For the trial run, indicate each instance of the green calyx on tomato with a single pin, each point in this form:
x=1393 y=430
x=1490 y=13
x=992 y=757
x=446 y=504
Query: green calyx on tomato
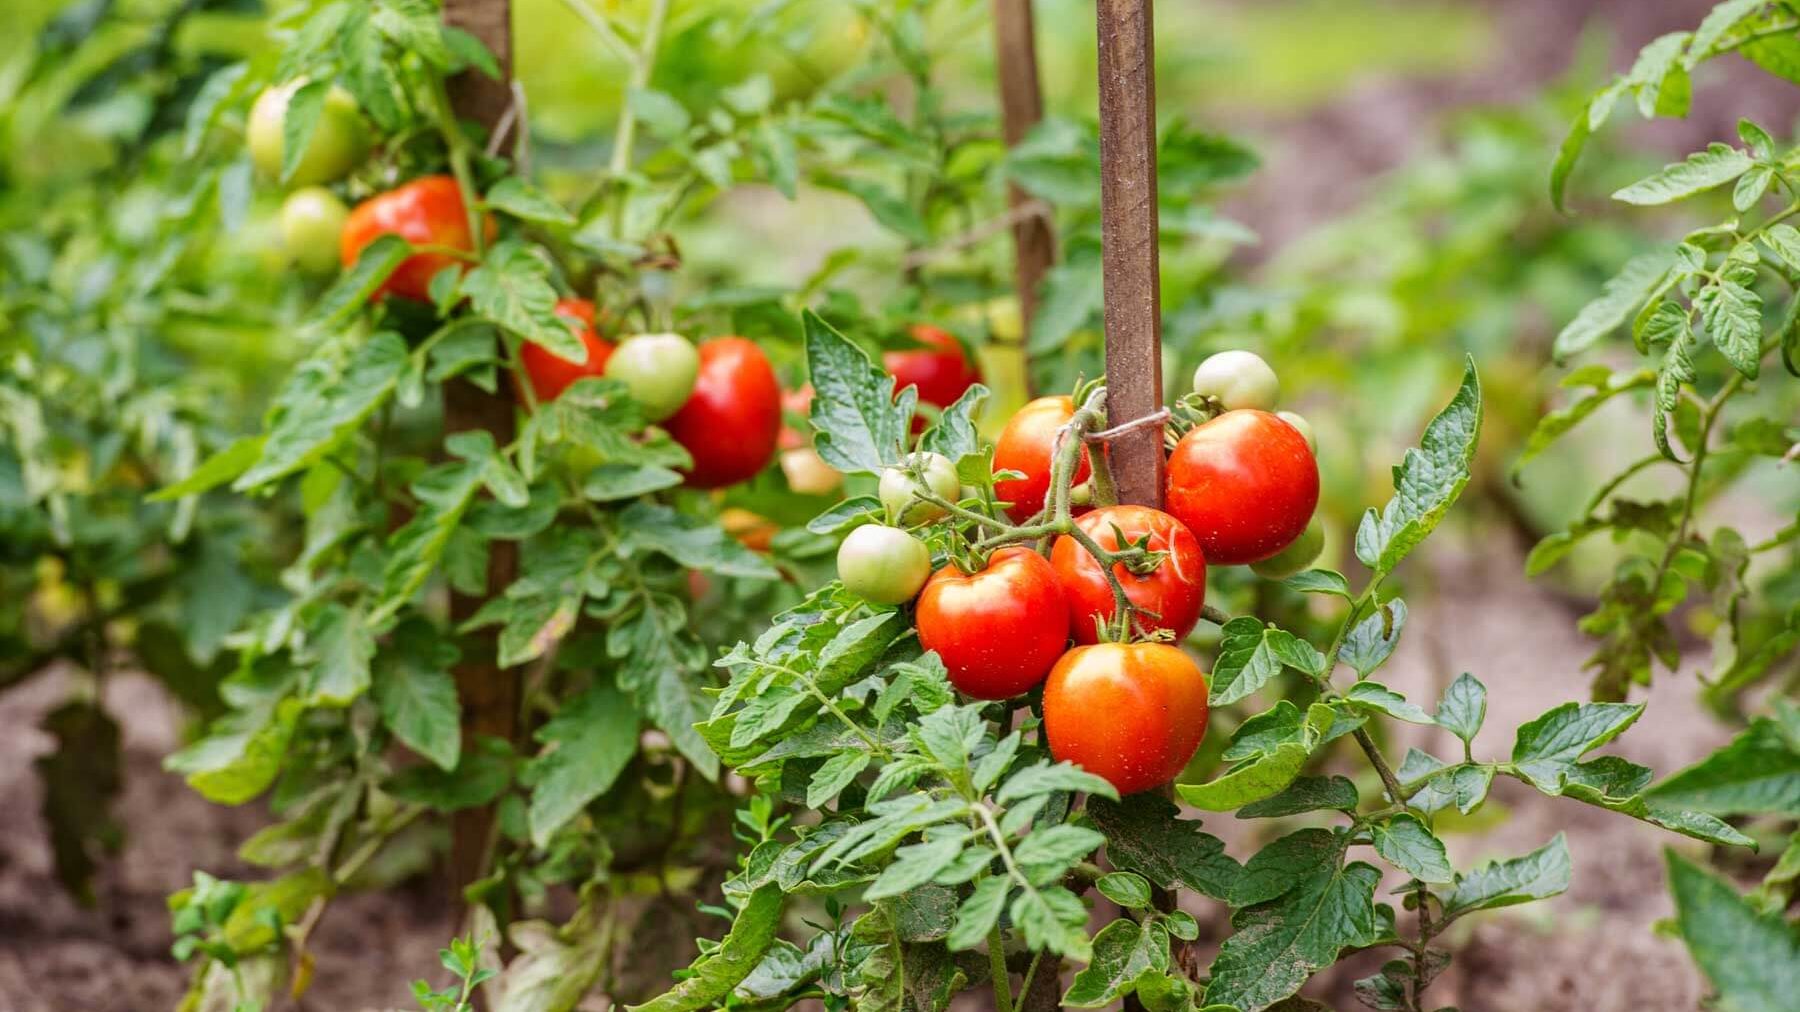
x=1237 y=379
x=312 y=219
x=658 y=369
x=1133 y=713
x=900 y=487
x=1296 y=557
x=337 y=144
x=997 y=630
x=883 y=565
x=1167 y=596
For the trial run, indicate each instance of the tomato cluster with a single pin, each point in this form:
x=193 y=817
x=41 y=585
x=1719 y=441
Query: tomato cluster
x=1123 y=701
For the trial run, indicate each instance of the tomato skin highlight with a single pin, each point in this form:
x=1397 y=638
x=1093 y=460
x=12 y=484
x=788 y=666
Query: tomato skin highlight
x=549 y=372
x=427 y=211
x=998 y=631
x=941 y=371
x=1245 y=483
x=732 y=420
x=1175 y=591
x=1026 y=445
x=1132 y=713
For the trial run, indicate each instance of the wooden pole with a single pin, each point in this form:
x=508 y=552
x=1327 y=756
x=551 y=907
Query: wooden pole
x=489 y=695
x=1128 y=233
x=1021 y=107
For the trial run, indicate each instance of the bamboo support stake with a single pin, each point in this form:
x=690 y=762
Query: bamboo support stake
x=489 y=695
x=1021 y=107
x=1129 y=244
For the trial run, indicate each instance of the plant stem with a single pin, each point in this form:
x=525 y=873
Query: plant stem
x=625 y=136
x=1396 y=793
x=1003 y=999
x=458 y=146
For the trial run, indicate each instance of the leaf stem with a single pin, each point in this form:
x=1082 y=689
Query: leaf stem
x=1003 y=999
x=625 y=137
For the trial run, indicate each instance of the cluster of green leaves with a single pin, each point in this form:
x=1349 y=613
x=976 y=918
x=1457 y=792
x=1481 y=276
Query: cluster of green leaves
x=125 y=322
x=1731 y=286
x=943 y=825
x=345 y=705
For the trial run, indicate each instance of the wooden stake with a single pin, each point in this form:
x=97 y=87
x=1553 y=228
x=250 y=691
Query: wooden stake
x=489 y=695
x=1128 y=232
x=1021 y=107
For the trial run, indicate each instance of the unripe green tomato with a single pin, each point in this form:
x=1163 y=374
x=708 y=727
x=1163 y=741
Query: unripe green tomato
x=882 y=564
x=658 y=369
x=1305 y=427
x=338 y=142
x=312 y=219
x=1296 y=557
x=902 y=502
x=1238 y=379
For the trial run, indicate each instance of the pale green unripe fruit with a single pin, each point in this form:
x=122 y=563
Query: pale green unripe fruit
x=1305 y=427
x=898 y=488
x=1296 y=557
x=312 y=219
x=337 y=144
x=658 y=369
x=883 y=565
x=1238 y=379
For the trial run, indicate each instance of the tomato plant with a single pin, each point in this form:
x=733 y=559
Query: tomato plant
x=550 y=374
x=429 y=212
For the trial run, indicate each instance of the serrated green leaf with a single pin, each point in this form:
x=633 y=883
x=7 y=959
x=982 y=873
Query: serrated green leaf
x=586 y=747
x=1618 y=299
x=716 y=973
x=1751 y=957
x=1701 y=171
x=692 y=542
x=1251 y=653
x=417 y=695
x=837 y=773
x=1405 y=843
x=304 y=107
x=1250 y=781
x=1372 y=640
x=215 y=470
x=511 y=289
x=1555 y=424
x=1463 y=707
x=1123 y=951
x=858 y=426
x=1545 y=746
x=1278 y=944
x=954 y=434
x=339 y=648
x=1758 y=773
x=1732 y=316
x=1305 y=794
x=322 y=403
x=1543 y=873
x=1144 y=834
x=520 y=199
x=1320 y=581
x=1380 y=698
x=978 y=914
x=914 y=866
x=1127 y=889
x=1427 y=481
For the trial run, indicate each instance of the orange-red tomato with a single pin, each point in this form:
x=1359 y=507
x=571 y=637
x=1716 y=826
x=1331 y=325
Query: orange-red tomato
x=428 y=211
x=1133 y=713
x=998 y=630
x=941 y=371
x=731 y=421
x=795 y=402
x=550 y=373
x=1174 y=592
x=1027 y=445
x=1245 y=483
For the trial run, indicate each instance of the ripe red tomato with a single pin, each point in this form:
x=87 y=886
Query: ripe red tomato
x=941 y=371
x=1245 y=483
x=550 y=373
x=428 y=211
x=1026 y=445
x=1133 y=713
x=730 y=422
x=998 y=630
x=795 y=402
x=1175 y=591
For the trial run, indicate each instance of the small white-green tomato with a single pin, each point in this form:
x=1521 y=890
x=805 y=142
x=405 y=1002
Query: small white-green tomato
x=1238 y=379
x=882 y=564
x=899 y=488
x=658 y=369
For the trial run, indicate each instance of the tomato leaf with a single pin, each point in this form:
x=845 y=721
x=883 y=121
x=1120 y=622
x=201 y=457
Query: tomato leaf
x=1427 y=482
x=586 y=746
x=858 y=425
x=1541 y=874
x=1751 y=956
x=416 y=694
